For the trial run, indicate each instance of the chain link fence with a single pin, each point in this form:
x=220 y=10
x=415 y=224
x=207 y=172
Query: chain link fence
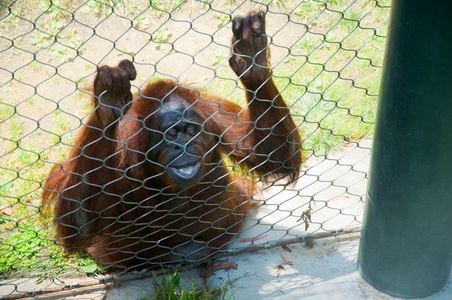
x=326 y=59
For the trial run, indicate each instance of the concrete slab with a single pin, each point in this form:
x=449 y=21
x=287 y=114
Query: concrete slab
x=327 y=271
x=333 y=187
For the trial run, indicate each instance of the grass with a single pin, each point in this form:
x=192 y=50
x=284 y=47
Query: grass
x=170 y=287
x=330 y=77
x=31 y=250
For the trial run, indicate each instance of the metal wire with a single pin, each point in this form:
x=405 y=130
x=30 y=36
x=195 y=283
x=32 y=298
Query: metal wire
x=326 y=61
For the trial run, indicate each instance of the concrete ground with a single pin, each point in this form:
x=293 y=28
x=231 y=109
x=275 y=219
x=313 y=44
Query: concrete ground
x=332 y=187
x=327 y=271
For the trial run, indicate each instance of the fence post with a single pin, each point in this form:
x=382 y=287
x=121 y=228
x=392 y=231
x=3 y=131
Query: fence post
x=406 y=241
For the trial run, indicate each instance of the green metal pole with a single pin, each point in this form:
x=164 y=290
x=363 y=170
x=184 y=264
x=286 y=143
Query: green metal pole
x=406 y=240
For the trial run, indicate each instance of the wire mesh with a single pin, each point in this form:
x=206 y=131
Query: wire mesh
x=326 y=62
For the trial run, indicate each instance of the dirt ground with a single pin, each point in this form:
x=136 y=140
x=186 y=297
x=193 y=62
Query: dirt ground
x=192 y=50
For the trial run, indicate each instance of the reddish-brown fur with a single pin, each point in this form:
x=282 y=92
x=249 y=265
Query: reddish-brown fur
x=125 y=211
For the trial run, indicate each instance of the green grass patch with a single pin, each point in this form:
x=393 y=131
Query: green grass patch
x=30 y=249
x=170 y=288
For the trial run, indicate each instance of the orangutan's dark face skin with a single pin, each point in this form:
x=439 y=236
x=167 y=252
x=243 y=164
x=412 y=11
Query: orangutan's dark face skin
x=182 y=143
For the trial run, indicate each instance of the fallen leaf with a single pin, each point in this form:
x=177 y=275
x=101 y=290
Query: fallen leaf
x=279 y=269
x=6 y=210
x=198 y=80
x=251 y=239
x=225 y=265
x=286 y=261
